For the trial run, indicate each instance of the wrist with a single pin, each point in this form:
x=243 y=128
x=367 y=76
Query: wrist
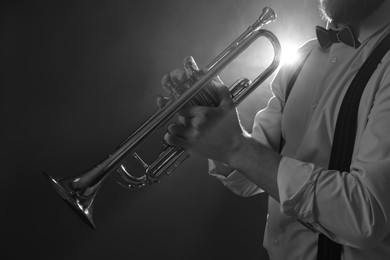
x=248 y=152
x=242 y=146
x=258 y=163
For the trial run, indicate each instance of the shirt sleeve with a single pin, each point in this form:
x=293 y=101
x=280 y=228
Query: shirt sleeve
x=352 y=208
x=235 y=181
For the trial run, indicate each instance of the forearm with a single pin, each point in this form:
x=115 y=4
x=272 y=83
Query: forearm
x=258 y=163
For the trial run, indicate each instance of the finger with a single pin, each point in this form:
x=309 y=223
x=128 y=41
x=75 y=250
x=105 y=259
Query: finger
x=189 y=111
x=177 y=135
x=196 y=118
x=190 y=66
x=224 y=96
x=179 y=130
x=183 y=120
x=178 y=76
x=175 y=140
x=161 y=101
x=166 y=83
x=172 y=82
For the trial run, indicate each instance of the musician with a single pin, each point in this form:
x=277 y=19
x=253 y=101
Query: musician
x=350 y=208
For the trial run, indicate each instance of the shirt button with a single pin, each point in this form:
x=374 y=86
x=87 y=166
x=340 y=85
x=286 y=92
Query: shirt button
x=314 y=105
x=334 y=60
x=275 y=242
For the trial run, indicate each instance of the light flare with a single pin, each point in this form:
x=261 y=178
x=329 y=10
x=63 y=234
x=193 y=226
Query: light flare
x=289 y=53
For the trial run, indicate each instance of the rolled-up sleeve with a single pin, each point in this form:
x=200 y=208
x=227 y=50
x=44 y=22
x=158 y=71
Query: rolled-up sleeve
x=235 y=181
x=352 y=208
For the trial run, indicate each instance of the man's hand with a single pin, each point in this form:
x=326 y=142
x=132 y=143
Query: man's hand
x=216 y=133
x=211 y=132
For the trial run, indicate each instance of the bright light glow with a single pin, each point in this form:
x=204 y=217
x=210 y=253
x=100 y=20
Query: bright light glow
x=289 y=53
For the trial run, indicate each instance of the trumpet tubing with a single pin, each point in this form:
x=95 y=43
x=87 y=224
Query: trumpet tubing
x=79 y=191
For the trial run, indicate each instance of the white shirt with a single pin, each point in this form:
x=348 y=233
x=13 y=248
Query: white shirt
x=352 y=208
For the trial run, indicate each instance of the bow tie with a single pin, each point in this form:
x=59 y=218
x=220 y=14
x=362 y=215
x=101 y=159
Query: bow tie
x=326 y=37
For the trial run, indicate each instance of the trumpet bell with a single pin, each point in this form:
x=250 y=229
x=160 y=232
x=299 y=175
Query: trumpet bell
x=83 y=207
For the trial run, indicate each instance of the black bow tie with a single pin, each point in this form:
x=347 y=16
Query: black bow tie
x=326 y=37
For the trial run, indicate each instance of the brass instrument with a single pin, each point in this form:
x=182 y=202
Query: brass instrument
x=79 y=191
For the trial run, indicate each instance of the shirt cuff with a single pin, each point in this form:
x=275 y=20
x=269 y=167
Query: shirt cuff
x=297 y=183
x=235 y=181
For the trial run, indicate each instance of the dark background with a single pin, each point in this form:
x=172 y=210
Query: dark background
x=76 y=78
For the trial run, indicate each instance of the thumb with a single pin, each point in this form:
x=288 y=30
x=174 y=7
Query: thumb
x=224 y=96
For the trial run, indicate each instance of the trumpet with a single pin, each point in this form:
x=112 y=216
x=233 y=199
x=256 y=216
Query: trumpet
x=79 y=191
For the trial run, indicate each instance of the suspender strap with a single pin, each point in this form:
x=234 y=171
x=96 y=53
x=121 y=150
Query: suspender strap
x=345 y=133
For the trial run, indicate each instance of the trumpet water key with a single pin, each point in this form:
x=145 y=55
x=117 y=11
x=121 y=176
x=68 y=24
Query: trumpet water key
x=79 y=191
